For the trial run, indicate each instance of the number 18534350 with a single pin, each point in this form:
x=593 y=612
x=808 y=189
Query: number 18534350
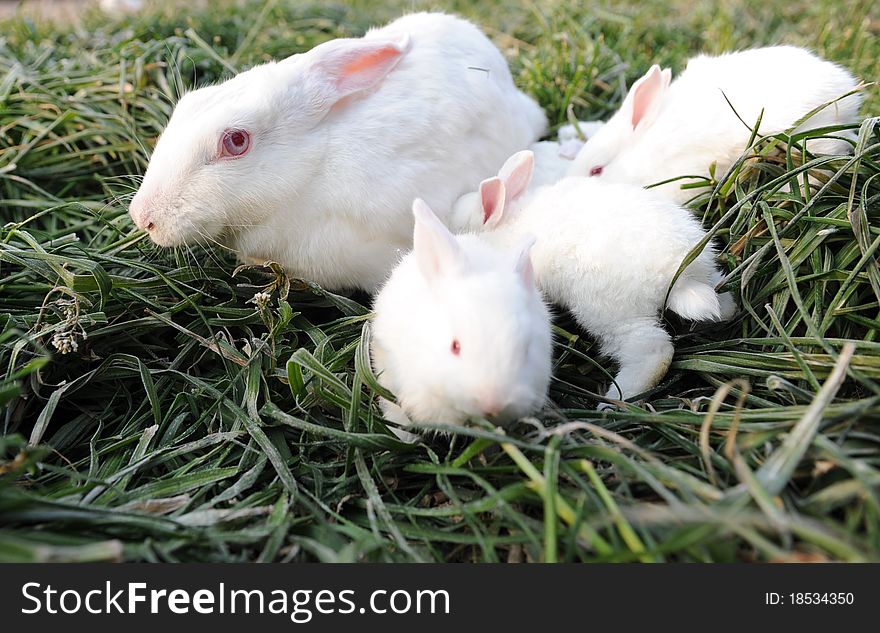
x=809 y=598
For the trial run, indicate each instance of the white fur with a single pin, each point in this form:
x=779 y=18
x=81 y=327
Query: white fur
x=685 y=126
x=551 y=163
x=460 y=288
x=553 y=159
x=608 y=252
x=326 y=186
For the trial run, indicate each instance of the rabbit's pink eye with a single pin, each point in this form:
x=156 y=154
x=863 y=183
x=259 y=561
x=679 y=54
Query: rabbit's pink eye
x=235 y=143
x=455 y=348
x=596 y=171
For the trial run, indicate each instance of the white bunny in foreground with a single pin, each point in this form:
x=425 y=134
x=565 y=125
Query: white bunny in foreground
x=667 y=130
x=314 y=161
x=607 y=252
x=460 y=330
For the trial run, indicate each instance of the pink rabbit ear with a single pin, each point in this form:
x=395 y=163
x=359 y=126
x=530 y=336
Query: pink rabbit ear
x=645 y=94
x=516 y=173
x=667 y=77
x=492 y=196
x=436 y=249
x=342 y=67
x=523 y=261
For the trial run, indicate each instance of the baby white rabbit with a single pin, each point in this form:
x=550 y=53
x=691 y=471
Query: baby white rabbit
x=460 y=330
x=313 y=161
x=608 y=253
x=667 y=130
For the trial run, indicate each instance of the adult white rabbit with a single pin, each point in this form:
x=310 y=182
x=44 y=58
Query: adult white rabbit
x=460 y=331
x=667 y=129
x=314 y=161
x=608 y=253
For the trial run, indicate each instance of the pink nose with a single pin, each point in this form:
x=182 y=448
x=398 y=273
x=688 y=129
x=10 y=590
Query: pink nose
x=490 y=411
x=491 y=405
x=140 y=214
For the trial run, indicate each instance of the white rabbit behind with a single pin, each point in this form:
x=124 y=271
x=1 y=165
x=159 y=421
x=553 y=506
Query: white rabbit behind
x=313 y=161
x=667 y=129
x=608 y=253
x=460 y=331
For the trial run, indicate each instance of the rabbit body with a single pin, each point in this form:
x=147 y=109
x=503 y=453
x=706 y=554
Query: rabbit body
x=668 y=129
x=339 y=140
x=460 y=331
x=607 y=252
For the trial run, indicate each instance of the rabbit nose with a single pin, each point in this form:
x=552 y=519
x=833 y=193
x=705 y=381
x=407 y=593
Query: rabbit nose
x=491 y=410
x=491 y=405
x=141 y=214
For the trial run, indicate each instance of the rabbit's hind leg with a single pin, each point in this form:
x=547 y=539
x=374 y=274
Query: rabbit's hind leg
x=643 y=350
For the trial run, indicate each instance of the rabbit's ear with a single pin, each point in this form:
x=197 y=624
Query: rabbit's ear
x=516 y=173
x=436 y=249
x=523 y=261
x=492 y=196
x=645 y=95
x=341 y=67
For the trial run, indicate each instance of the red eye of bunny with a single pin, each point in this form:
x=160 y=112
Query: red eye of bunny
x=455 y=348
x=235 y=143
x=596 y=171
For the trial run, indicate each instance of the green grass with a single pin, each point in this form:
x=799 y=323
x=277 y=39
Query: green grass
x=184 y=423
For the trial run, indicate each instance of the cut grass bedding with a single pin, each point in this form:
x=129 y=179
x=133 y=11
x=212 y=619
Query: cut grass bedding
x=166 y=406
